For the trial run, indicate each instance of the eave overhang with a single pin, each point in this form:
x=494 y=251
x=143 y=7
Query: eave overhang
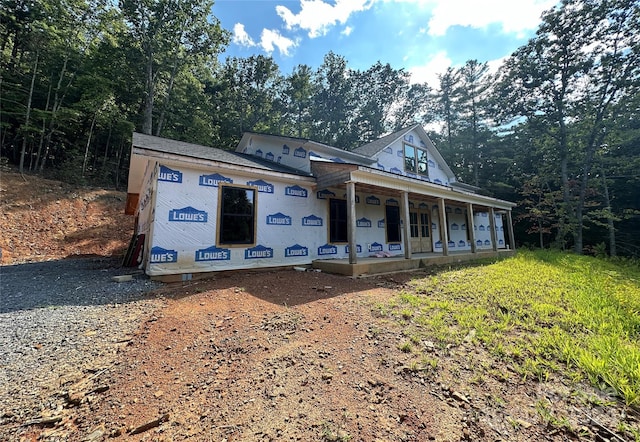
x=335 y=175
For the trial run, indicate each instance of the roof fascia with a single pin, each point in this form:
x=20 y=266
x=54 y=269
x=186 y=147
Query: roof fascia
x=199 y=163
x=400 y=136
x=375 y=177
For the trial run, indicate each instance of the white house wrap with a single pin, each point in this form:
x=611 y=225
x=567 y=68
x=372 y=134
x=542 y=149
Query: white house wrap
x=281 y=201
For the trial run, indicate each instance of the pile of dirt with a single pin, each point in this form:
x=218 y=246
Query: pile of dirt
x=44 y=220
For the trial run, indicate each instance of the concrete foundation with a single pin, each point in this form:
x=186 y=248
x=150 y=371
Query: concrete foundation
x=373 y=266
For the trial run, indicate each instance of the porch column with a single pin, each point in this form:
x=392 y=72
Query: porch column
x=351 y=222
x=492 y=226
x=472 y=230
x=512 y=239
x=406 y=232
x=444 y=237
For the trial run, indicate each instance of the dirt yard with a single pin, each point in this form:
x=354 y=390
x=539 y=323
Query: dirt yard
x=275 y=355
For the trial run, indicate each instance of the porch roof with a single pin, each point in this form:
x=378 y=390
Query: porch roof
x=377 y=181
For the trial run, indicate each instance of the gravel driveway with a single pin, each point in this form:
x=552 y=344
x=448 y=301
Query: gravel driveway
x=60 y=321
x=68 y=282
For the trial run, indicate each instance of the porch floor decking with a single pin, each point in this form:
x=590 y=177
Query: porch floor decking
x=373 y=266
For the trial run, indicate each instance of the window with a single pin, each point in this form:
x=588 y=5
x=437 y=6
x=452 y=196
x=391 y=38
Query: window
x=409 y=158
x=337 y=221
x=425 y=225
x=237 y=220
x=392 y=221
x=413 y=223
x=415 y=160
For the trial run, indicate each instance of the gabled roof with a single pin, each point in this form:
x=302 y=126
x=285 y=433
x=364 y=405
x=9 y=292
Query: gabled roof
x=144 y=148
x=373 y=148
x=181 y=148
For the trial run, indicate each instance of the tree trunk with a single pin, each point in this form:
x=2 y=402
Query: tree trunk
x=44 y=128
x=565 y=218
x=28 y=115
x=541 y=234
x=106 y=148
x=86 y=150
x=167 y=100
x=610 y=226
x=118 y=162
x=147 y=124
x=57 y=103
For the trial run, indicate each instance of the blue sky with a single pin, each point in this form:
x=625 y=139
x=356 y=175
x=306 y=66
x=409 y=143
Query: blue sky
x=422 y=36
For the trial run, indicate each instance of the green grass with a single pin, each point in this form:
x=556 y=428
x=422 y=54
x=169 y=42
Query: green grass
x=543 y=312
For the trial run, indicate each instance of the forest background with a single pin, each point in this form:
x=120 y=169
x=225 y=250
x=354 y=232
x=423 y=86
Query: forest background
x=556 y=128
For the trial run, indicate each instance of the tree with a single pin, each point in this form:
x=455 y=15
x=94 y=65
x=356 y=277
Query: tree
x=472 y=93
x=244 y=93
x=333 y=110
x=447 y=96
x=377 y=93
x=583 y=59
x=297 y=100
x=413 y=105
x=170 y=34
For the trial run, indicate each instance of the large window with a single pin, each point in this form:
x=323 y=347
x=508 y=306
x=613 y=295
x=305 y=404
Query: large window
x=337 y=221
x=237 y=216
x=415 y=160
x=392 y=221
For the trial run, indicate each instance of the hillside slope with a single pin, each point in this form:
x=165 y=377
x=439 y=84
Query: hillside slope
x=43 y=219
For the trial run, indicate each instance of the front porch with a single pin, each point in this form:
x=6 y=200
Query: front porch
x=373 y=266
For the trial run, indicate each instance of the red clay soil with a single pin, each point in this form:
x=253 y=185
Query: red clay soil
x=279 y=355
x=43 y=219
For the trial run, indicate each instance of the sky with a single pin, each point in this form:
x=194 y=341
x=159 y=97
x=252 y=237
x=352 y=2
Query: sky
x=423 y=37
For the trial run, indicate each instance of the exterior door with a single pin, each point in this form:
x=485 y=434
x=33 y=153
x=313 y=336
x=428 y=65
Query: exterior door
x=420 y=225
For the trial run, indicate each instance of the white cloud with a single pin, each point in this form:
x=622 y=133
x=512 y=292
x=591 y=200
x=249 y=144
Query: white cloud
x=271 y=39
x=317 y=17
x=428 y=73
x=240 y=36
x=514 y=16
x=347 y=31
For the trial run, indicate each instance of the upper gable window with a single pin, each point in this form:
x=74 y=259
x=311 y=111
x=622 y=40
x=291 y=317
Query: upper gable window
x=415 y=160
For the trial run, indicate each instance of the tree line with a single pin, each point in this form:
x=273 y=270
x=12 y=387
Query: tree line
x=556 y=128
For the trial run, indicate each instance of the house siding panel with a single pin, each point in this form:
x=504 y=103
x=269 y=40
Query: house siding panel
x=185 y=225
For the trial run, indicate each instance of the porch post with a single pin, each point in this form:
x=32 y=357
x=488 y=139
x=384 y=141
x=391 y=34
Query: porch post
x=406 y=233
x=444 y=237
x=472 y=230
x=351 y=222
x=512 y=239
x=492 y=226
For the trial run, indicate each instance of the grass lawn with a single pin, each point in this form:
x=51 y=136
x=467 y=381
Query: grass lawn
x=544 y=312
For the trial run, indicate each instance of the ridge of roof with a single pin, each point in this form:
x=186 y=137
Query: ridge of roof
x=198 y=151
x=303 y=141
x=372 y=148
